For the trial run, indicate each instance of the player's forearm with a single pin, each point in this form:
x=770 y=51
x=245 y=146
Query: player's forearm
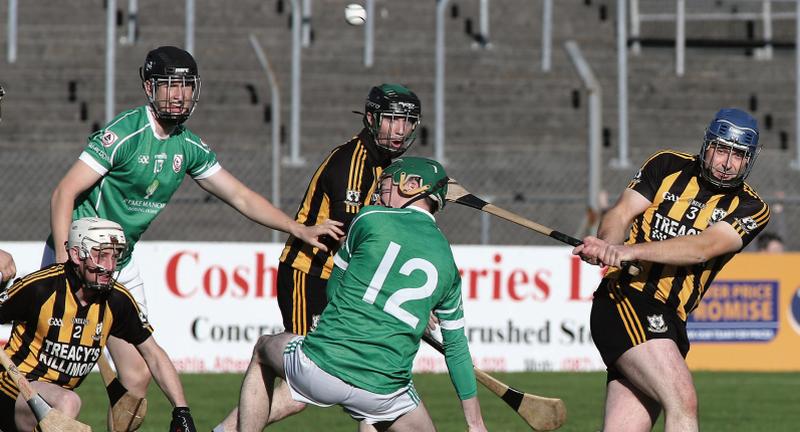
x=164 y=373
x=613 y=227
x=166 y=377
x=61 y=207
x=472 y=414
x=258 y=209
x=682 y=251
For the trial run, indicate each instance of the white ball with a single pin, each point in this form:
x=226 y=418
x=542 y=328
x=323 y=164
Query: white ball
x=355 y=14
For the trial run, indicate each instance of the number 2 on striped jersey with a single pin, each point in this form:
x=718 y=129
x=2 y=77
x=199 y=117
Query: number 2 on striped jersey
x=395 y=301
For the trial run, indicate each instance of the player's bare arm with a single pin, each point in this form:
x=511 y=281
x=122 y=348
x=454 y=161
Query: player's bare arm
x=7 y=266
x=255 y=207
x=79 y=178
x=472 y=413
x=614 y=226
x=719 y=239
x=163 y=371
x=617 y=221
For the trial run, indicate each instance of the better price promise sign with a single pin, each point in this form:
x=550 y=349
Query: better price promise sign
x=527 y=308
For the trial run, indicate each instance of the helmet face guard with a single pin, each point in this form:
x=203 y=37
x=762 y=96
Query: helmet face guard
x=733 y=135
x=93 y=267
x=174 y=84
x=395 y=114
x=97 y=241
x=429 y=174
x=173 y=107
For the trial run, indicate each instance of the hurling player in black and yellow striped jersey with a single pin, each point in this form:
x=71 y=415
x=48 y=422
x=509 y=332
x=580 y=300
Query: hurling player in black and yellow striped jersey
x=344 y=182
x=682 y=218
x=62 y=316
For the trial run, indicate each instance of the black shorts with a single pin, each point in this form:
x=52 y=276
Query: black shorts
x=302 y=299
x=7 y=413
x=627 y=318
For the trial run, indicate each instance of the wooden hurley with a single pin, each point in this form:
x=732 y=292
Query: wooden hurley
x=127 y=410
x=50 y=419
x=541 y=413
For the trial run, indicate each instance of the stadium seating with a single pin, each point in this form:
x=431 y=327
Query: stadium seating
x=514 y=134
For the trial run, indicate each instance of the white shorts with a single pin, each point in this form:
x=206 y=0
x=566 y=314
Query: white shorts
x=128 y=276
x=310 y=384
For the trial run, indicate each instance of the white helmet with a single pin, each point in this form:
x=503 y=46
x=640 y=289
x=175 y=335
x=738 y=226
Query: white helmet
x=88 y=233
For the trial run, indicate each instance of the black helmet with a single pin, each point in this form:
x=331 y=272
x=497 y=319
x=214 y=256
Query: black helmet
x=392 y=102
x=171 y=66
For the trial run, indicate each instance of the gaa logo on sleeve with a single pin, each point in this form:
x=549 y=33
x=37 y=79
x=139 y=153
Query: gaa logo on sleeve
x=637 y=178
x=108 y=139
x=353 y=197
x=143 y=319
x=748 y=224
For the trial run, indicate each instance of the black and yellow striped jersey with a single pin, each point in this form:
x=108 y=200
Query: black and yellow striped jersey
x=343 y=183
x=685 y=204
x=56 y=339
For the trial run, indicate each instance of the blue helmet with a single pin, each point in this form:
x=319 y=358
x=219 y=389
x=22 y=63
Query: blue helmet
x=737 y=131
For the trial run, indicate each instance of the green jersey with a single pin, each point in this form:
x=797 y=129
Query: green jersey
x=140 y=170
x=393 y=270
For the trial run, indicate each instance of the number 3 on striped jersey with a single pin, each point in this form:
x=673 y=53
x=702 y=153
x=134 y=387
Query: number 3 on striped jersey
x=395 y=301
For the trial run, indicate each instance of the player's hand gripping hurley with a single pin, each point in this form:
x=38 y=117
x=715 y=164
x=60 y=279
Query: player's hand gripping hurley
x=50 y=419
x=541 y=413
x=457 y=194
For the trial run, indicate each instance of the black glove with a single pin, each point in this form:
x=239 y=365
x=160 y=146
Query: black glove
x=182 y=420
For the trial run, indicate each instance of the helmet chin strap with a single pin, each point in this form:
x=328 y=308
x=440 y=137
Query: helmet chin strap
x=98 y=270
x=430 y=190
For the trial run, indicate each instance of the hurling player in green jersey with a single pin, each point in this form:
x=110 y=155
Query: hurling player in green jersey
x=130 y=169
x=393 y=270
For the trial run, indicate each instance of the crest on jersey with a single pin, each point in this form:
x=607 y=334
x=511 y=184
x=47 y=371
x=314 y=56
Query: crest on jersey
x=177 y=163
x=353 y=197
x=108 y=139
x=717 y=215
x=98 y=332
x=656 y=323
x=748 y=224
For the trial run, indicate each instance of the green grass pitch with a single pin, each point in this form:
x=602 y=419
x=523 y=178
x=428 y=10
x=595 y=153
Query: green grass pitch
x=728 y=401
